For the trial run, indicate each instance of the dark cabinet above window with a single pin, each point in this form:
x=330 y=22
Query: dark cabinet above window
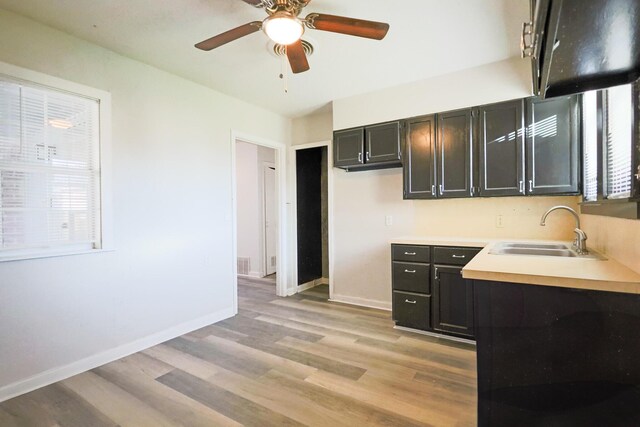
x=582 y=45
x=369 y=147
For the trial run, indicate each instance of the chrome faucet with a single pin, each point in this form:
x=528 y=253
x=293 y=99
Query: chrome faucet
x=580 y=242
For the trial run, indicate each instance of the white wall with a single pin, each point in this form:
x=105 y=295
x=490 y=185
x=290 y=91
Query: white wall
x=361 y=271
x=171 y=270
x=250 y=160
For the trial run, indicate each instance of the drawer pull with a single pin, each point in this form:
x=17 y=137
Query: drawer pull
x=410 y=302
x=410 y=271
x=458 y=256
x=410 y=253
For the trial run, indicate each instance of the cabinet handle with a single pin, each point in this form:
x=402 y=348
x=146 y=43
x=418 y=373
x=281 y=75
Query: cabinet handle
x=530 y=186
x=359 y=157
x=441 y=189
x=367 y=156
x=410 y=302
x=433 y=190
x=436 y=273
x=458 y=256
x=410 y=271
x=522 y=187
x=410 y=253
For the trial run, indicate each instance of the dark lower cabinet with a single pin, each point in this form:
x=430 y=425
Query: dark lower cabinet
x=501 y=149
x=453 y=154
x=452 y=301
x=430 y=296
x=553 y=136
x=551 y=356
x=412 y=310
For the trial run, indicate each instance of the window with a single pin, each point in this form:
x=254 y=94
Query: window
x=50 y=177
x=609 y=140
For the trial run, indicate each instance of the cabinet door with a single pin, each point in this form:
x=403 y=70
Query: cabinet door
x=347 y=147
x=419 y=158
x=552 y=145
x=383 y=143
x=452 y=301
x=501 y=141
x=453 y=154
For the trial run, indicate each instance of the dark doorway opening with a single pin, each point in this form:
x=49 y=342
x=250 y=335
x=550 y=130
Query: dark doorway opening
x=312 y=215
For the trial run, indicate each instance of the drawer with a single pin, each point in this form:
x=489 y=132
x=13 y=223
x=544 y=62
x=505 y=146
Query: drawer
x=411 y=253
x=412 y=310
x=411 y=277
x=453 y=256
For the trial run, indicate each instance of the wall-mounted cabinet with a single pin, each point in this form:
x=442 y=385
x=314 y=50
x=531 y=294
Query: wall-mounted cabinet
x=419 y=158
x=369 y=147
x=553 y=139
x=501 y=149
x=454 y=154
x=514 y=148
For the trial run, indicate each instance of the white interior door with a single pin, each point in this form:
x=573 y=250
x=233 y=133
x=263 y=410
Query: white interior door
x=270 y=219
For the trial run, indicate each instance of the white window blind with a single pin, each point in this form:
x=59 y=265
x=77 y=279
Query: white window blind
x=49 y=168
x=590 y=148
x=618 y=113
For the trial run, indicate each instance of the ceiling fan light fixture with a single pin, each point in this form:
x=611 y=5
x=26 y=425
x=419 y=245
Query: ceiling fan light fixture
x=283 y=28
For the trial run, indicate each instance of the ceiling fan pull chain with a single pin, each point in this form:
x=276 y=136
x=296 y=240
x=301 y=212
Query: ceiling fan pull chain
x=283 y=74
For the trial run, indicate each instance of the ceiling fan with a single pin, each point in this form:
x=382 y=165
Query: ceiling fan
x=284 y=27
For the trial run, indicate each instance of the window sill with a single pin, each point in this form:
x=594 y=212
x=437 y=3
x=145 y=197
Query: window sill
x=617 y=208
x=23 y=256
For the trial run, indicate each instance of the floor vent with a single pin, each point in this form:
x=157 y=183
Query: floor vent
x=244 y=266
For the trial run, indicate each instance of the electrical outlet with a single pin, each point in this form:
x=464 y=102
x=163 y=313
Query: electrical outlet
x=499 y=221
x=388 y=220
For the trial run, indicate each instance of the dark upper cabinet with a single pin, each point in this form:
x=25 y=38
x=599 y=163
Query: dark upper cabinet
x=419 y=158
x=452 y=301
x=370 y=147
x=581 y=45
x=501 y=149
x=453 y=154
x=348 y=147
x=552 y=145
x=382 y=143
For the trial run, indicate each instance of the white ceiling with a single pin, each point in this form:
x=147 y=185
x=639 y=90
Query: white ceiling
x=427 y=38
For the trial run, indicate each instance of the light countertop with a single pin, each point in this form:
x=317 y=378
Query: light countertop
x=577 y=273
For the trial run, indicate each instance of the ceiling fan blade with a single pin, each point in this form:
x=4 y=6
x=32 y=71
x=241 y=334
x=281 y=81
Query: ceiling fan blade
x=297 y=57
x=349 y=26
x=230 y=36
x=256 y=3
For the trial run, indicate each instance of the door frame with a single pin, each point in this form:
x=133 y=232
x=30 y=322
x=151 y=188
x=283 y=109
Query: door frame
x=293 y=255
x=265 y=167
x=281 y=192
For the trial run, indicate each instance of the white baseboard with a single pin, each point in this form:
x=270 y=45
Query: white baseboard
x=63 y=372
x=313 y=284
x=363 y=302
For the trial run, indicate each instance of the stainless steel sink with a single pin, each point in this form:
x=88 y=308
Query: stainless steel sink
x=540 y=249
x=533 y=251
x=534 y=245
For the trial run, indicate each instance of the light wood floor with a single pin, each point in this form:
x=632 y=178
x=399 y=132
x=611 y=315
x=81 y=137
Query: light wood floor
x=281 y=361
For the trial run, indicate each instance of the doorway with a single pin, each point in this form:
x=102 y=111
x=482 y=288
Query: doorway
x=311 y=214
x=270 y=223
x=258 y=209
